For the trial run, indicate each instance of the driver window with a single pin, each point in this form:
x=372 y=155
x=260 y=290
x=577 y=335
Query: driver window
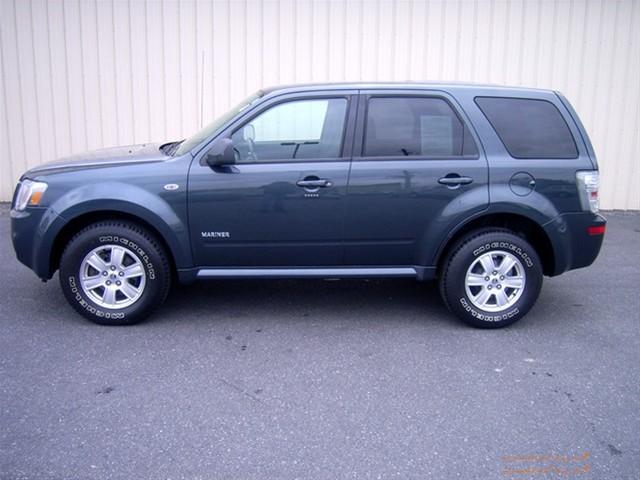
x=291 y=131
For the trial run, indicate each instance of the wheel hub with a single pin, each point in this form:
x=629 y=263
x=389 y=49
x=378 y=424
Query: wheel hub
x=112 y=276
x=495 y=281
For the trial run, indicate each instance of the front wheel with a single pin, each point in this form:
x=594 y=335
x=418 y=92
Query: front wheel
x=114 y=273
x=491 y=279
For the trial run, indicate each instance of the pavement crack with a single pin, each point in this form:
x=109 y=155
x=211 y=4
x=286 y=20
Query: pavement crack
x=105 y=391
x=242 y=391
x=613 y=450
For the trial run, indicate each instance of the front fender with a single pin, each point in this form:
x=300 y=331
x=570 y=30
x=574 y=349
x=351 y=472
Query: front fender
x=126 y=199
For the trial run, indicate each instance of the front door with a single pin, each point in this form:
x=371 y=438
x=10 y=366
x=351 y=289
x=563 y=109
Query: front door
x=282 y=203
x=416 y=167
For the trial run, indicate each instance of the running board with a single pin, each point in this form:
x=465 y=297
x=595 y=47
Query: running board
x=365 y=272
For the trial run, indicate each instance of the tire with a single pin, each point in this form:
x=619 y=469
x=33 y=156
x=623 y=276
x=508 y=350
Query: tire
x=496 y=298
x=129 y=255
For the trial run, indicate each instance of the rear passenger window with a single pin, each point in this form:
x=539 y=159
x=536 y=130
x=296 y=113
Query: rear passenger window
x=415 y=126
x=529 y=128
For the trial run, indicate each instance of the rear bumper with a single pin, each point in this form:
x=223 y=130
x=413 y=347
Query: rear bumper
x=576 y=239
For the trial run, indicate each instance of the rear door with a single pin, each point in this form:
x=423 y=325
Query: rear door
x=417 y=167
x=282 y=202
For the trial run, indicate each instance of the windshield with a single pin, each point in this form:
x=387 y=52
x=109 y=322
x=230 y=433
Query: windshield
x=207 y=131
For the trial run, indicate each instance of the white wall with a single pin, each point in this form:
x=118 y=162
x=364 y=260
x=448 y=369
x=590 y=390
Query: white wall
x=78 y=75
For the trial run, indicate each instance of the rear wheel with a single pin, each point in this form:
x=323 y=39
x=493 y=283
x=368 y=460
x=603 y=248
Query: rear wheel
x=491 y=279
x=114 y=273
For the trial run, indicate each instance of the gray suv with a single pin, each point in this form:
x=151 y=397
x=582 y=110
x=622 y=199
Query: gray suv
x=484 y=188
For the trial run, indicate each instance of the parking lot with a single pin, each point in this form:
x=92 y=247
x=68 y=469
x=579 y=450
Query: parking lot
x=325 y=380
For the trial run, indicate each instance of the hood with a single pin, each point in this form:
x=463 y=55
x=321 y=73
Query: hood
x=145 y=152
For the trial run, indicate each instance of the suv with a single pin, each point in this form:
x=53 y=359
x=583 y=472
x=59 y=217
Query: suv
x=484 y=188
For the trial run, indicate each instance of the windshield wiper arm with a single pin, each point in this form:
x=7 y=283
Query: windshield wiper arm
x=175 y=146
x=170 y=147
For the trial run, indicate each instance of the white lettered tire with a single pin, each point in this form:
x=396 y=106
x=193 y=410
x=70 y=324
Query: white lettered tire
x=491 y=279
x=114 y=273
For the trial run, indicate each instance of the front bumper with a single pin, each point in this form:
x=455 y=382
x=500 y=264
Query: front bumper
x=574 y=242
x=32 y=234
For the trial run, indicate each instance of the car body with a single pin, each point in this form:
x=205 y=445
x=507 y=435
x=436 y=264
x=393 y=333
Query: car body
x=252 y=196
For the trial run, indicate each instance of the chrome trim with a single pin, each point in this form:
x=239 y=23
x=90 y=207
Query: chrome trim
x=307 y=272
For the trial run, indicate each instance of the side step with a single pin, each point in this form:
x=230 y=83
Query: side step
x=355 y=272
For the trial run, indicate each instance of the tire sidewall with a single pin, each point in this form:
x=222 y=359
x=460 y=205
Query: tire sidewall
x=99 y=236
x=457 y=297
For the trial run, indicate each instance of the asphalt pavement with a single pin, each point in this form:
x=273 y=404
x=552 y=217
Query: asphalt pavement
x=323 y=379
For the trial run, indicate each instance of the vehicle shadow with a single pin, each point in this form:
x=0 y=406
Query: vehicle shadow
x=357 y=300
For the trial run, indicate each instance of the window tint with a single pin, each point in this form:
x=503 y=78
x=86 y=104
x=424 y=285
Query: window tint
x=529 y=128
x=415 y=126
x=301 y=129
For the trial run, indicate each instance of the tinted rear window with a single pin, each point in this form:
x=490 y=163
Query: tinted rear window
x=529 y=128
x=416 y=126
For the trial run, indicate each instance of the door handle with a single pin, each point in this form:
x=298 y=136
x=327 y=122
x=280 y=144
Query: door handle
x=453 y=180
x=317 y=183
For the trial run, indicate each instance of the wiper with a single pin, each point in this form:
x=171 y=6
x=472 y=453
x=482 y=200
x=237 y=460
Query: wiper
x=165 y=147
x=177 y=144
x=171 y=147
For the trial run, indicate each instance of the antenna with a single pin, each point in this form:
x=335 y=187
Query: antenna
x=202 y=89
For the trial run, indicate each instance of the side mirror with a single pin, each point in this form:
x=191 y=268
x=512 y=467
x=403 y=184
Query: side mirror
x=221 y=153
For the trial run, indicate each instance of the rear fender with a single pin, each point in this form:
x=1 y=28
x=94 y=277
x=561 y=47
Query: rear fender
x=469 y=204
x=534 y=207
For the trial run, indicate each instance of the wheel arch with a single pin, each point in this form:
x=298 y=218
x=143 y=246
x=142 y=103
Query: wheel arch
x=85 y=219
x=519 y=224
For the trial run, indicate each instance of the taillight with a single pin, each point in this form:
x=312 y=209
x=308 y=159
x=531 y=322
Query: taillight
x=588 y=184
x=596 y=230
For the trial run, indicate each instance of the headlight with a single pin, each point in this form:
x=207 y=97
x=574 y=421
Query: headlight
x=29 y=193
x=588 y=184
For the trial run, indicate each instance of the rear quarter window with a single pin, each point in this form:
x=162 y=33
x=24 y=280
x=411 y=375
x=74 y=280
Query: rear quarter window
x=529 y=128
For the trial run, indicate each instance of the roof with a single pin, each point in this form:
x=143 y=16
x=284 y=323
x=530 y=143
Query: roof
x=405 y=84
